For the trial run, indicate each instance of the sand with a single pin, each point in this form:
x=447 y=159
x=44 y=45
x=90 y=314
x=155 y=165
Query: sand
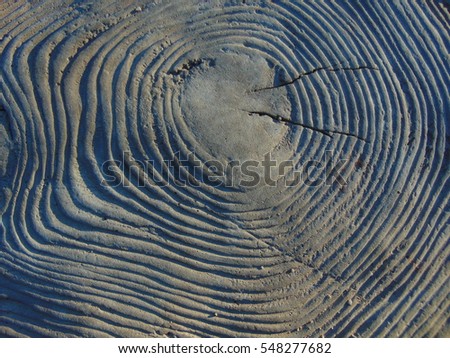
x=94 y=96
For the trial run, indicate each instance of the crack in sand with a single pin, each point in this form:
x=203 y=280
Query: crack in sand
x=329 y=69
x=327 y=132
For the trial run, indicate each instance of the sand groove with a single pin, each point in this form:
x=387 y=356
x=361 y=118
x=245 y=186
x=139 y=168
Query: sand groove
x=95 y=250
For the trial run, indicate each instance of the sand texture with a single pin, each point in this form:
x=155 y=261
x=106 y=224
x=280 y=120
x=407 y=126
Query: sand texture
x=95 y=250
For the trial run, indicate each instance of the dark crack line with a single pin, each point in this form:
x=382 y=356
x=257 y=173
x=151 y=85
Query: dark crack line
x=327 y=132
x=330 y=69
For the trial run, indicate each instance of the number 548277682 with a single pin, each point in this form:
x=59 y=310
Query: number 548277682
x=295 y=348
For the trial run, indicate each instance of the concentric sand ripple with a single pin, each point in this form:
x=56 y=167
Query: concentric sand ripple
x=95 y=96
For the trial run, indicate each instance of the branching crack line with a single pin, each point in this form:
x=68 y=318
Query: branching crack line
x=327 y=132
x=329 y=69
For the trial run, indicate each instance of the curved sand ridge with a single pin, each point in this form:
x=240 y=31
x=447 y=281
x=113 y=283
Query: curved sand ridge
x=84 y=256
